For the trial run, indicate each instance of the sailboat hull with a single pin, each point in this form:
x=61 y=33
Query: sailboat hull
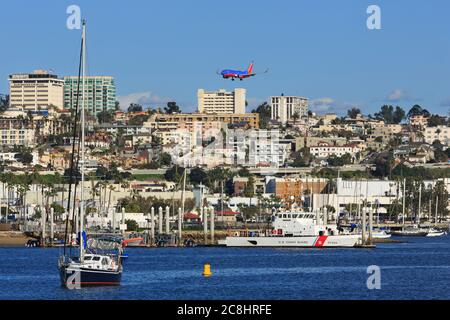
x=88 y=277
x=409 y=233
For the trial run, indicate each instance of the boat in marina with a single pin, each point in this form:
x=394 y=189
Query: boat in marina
x=98 y=261
x=432 y=232
x=134 y=241
x=295 y=229
x=411 y=231
x=380 y=234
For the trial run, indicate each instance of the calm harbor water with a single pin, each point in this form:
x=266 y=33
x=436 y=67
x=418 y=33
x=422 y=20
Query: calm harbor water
x=419 y=269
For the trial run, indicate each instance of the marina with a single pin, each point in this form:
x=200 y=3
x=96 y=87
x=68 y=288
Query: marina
x=416 y=269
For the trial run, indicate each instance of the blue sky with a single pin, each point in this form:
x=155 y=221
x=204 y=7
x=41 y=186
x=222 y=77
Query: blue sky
x=165 y=50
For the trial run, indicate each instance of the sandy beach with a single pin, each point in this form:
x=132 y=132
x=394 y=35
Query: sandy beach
x=12 y=239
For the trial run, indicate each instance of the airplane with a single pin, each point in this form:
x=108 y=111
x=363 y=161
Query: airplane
x=238 y=74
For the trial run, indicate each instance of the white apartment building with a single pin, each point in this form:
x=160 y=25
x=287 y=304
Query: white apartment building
x=251 y=148
x=17 y=136
x=283 y=107
x=257 y=148
x=324 y=150
x=221 y=101
x=39 y=89
x=441 y=133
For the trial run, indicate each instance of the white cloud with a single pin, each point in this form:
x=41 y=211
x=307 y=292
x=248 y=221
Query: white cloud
x=322 y=104
x=397 y=95
x=328 y=104
x=143 y=98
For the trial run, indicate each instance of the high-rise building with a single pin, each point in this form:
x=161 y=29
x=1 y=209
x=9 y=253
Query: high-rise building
x=39 y=89
x=287 y=108
x=100 y=93
x=221 y=101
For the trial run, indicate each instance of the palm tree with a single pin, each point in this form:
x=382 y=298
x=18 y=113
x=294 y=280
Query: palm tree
x=295 y=116
x=111 y=189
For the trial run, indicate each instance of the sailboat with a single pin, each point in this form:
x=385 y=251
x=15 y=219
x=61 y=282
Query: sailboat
x=91 y=266
x=413 y=230
x=432 y=232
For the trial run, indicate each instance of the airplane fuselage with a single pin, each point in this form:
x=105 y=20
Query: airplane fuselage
x=235 y=74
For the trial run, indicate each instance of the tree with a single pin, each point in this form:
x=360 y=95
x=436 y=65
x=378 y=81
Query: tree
x=4 y=102
x=135 y=107
x=172 y=107
x=249 y=190
x=132 y=225
x=385 y=114
x=243 y=172
x=440 y=156
x=390 y=115
x=335 y=161
x=216 y=176
x=441 y=192
x=383 y=165
x=138 y=120
x=436 y=120
x=265 y=114
x=174 y=174
x=399 y=115
x=302 y=158
x=105 y=116
x=165 y=159
x=57 y=209
x=24 y=156
x=417 y=110
x=197 y=176
x=353 y=113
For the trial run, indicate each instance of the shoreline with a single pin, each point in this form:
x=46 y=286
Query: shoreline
x=13 y=239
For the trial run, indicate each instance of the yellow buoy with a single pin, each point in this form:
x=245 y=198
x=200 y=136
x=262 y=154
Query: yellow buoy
x=207 y=270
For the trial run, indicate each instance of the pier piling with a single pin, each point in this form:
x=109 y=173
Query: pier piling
x=152 y=226
x=205 y=224
x=370 y=225
x=212 y=225
x=43 y=222
x=180 y=219
x=167 y=219
x=363 y=226
x=160 y=220
x=52 y=231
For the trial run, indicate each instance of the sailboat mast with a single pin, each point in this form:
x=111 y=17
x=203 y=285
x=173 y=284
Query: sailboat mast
x=404 y=199
x=83 y=101
x=420 y=203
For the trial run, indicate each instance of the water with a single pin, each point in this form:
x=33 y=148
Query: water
x=419 y=269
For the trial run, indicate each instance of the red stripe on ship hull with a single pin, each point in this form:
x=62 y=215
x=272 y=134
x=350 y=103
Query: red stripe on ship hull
x=320 y=241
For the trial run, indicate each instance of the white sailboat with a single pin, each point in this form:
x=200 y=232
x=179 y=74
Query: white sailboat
x=89 y=267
